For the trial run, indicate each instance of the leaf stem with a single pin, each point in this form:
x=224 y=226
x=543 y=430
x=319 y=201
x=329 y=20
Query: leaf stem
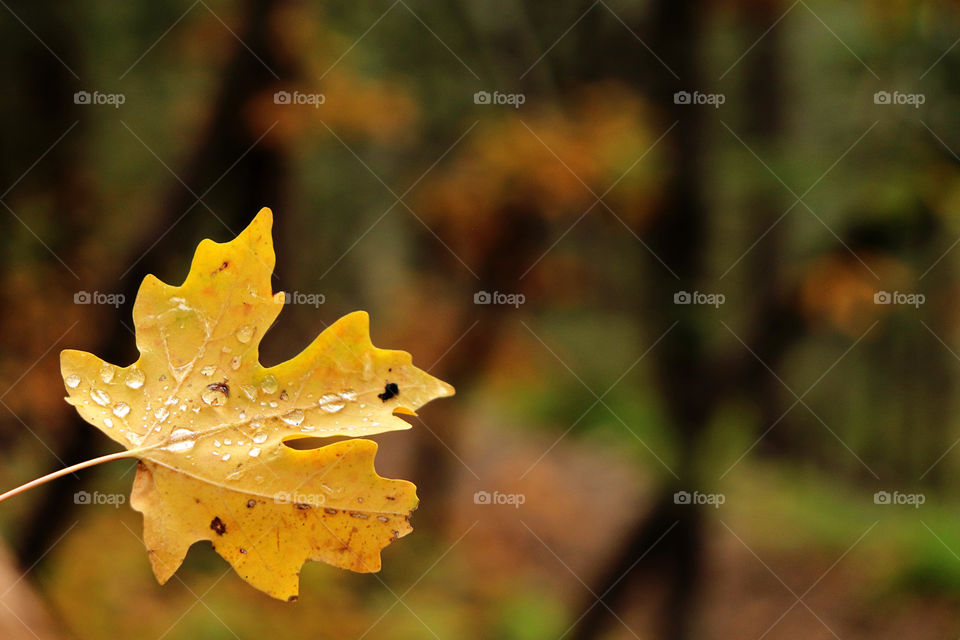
x=119 y=455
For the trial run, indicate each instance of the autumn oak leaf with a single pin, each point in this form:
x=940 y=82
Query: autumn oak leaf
x=209 y=424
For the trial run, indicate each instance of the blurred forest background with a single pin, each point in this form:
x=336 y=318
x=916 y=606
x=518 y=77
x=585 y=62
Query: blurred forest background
x=801 y=198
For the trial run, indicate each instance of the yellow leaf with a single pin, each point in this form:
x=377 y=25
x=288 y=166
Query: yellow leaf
x=209 y=423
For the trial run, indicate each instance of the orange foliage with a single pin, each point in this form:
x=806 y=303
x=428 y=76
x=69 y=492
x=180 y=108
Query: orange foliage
x=548 y=164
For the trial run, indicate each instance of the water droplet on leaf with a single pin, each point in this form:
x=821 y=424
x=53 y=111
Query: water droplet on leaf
x=269 y=385
x=244 y=333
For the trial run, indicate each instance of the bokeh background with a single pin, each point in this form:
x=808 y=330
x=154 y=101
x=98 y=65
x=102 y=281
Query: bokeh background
x=804 y=191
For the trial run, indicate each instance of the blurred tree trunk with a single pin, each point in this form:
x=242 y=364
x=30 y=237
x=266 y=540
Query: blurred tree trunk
x=691 y=380
x=433 y=465
x=256 y=180
x=677 y=235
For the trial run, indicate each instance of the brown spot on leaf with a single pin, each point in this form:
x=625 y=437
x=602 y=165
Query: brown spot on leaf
x=217 y=525
x=302 y=506
x=389 y=390
x=293 y=598
x=251 y=504
x=226 y=263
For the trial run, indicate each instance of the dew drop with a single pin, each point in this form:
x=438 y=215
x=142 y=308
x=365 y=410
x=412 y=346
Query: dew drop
x=249 y=391
x=121 y=409
x=134 y=438
x=253 y=453
x=106 y=373
x=225 y=457
x=244 y=333
x=213 y=397
x=181 y=440
x=307 y=428
x=108 y=423
x=209 y=370
x=294 y=418
x=100 y=396
x=330 y=402
x=227 y=441
x=235 y=363
x=72 y=380
x=348 y=395
x=135 y=377
x=161 y=414
x=216 y=443
x=259 y=437
x=269 y=385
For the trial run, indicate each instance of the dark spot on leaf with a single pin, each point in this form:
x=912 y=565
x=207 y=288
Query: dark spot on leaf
x=293 y=598
x=242 y=550
x=251 y=504
x=283 y=395
x=391 y=497
x=220 y=387
x=226 y=263
x=389 y=390
x=217 y=525
x=302 y=506
x=329 y=510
